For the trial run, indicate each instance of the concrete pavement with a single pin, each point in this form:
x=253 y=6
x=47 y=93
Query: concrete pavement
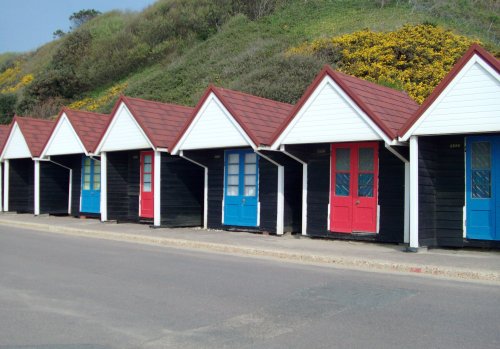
x=455 y=264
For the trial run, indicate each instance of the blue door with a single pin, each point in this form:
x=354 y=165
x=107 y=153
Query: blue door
x=241 y=188
x=483 y=187
x=91 y=186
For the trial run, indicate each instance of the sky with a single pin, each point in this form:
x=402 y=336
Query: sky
x=28 y=24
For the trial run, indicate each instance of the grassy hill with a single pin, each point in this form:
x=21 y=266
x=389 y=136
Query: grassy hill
x=172 y=50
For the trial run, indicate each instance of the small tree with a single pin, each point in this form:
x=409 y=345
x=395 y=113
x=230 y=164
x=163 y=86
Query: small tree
x=82 y=16
x=58 y=34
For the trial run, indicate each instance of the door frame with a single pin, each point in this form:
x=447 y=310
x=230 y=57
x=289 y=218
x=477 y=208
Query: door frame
x=241 y=174
x=92 y=174
x=143 y=153
x=376 y=170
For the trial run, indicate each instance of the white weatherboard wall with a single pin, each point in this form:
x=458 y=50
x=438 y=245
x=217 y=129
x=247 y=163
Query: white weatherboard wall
x=469 y=104
x=16 y=147
x=124 y=133
x=64 y=140
x=328 y=116
x=213 y=127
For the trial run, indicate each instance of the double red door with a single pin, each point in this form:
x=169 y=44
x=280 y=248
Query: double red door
x=146 y=204
x=354 y=187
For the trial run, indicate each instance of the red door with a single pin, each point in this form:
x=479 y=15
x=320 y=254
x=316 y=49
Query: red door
x=146 y=204
x=354 y=187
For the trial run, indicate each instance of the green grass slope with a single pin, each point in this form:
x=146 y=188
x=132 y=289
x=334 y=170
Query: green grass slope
x=171 y=51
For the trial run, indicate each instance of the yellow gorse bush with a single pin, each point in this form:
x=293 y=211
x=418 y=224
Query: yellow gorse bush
x=93 y=104
x=414 y=58
x=11 y=79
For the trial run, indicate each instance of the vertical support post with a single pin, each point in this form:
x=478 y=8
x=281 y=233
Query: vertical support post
x=37 y=188
x=407 y=204
x=281 y=200
x=157 y=189
x=104 y=187
x=413 y=194
x=6 y=166
x=70 y=194
x=304 y=199
x=1 y=187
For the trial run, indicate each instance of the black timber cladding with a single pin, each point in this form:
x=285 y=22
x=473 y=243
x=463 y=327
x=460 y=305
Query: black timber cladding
x=75 y=163
x=182 y=184
x=268 y=185
x=54 y=188
x=441 y=181
x=390 y=192
x=123 y=172
x=21 y=185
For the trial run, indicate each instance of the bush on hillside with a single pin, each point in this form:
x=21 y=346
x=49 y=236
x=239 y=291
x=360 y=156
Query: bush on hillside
x=7 y=107
x=415 y=58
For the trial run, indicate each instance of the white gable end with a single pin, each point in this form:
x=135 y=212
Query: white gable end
x=64 y=140
x=213 y=127
x=328 y=116
x=16 y=147
x=469 y=104
x=124 y=133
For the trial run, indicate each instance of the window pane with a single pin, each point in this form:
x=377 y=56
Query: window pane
x=148 y=159
x=342 y=181
x=366 y=159
x=233 y=169
x=147 y=178
x=481 y=184
x=250 y=190
x=233 y=158
x=481 y=155
x=147 y=168
x=86 y=182
x=250 y=180
x=97 y=185
x=250 y=158
x=146 y=187
x=250 y=169
x=232 y=180
x=365 y=185
x=232 y=190
x=97 y=167
x=342 y=159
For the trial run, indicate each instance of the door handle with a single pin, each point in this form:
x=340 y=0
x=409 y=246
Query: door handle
x=243 y=201
x=357 y=202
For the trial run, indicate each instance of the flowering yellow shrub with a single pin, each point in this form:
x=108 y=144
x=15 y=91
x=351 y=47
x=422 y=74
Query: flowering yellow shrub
x=92 y=104
x=25 y=80
x=414 y=58
x=11 y=81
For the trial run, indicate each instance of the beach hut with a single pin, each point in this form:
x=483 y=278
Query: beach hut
x=343 y=132
x=24 y=186
x=140 y=180
x=455 y=157
x=228 y=136
x=71 y=147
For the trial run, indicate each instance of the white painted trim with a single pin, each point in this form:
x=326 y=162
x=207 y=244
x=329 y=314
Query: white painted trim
x=327 y=80
x=211 y=97
x=157 y=189
x=104 y=187
x=280 y=209
x=304 y=188
x=1 y=188
x=64 y=117
x=377 y=229
x=330 y=188
x=414 y=243
x=205 y=188
x=6 y=166
x=112 y=124
x=464 y=213
x=9 y=141
x=474 y=59
x=37 y=188
x=406 y=227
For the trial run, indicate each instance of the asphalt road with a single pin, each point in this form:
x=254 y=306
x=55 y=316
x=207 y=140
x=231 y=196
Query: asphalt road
x=66 y=292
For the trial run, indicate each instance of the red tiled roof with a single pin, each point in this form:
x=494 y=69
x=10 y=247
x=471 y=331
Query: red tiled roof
x=88 y=126
x=258 y=117
x=474 y=49
x=4 y=134
x=36 y=132
x=160 y=121
x=388 y=108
